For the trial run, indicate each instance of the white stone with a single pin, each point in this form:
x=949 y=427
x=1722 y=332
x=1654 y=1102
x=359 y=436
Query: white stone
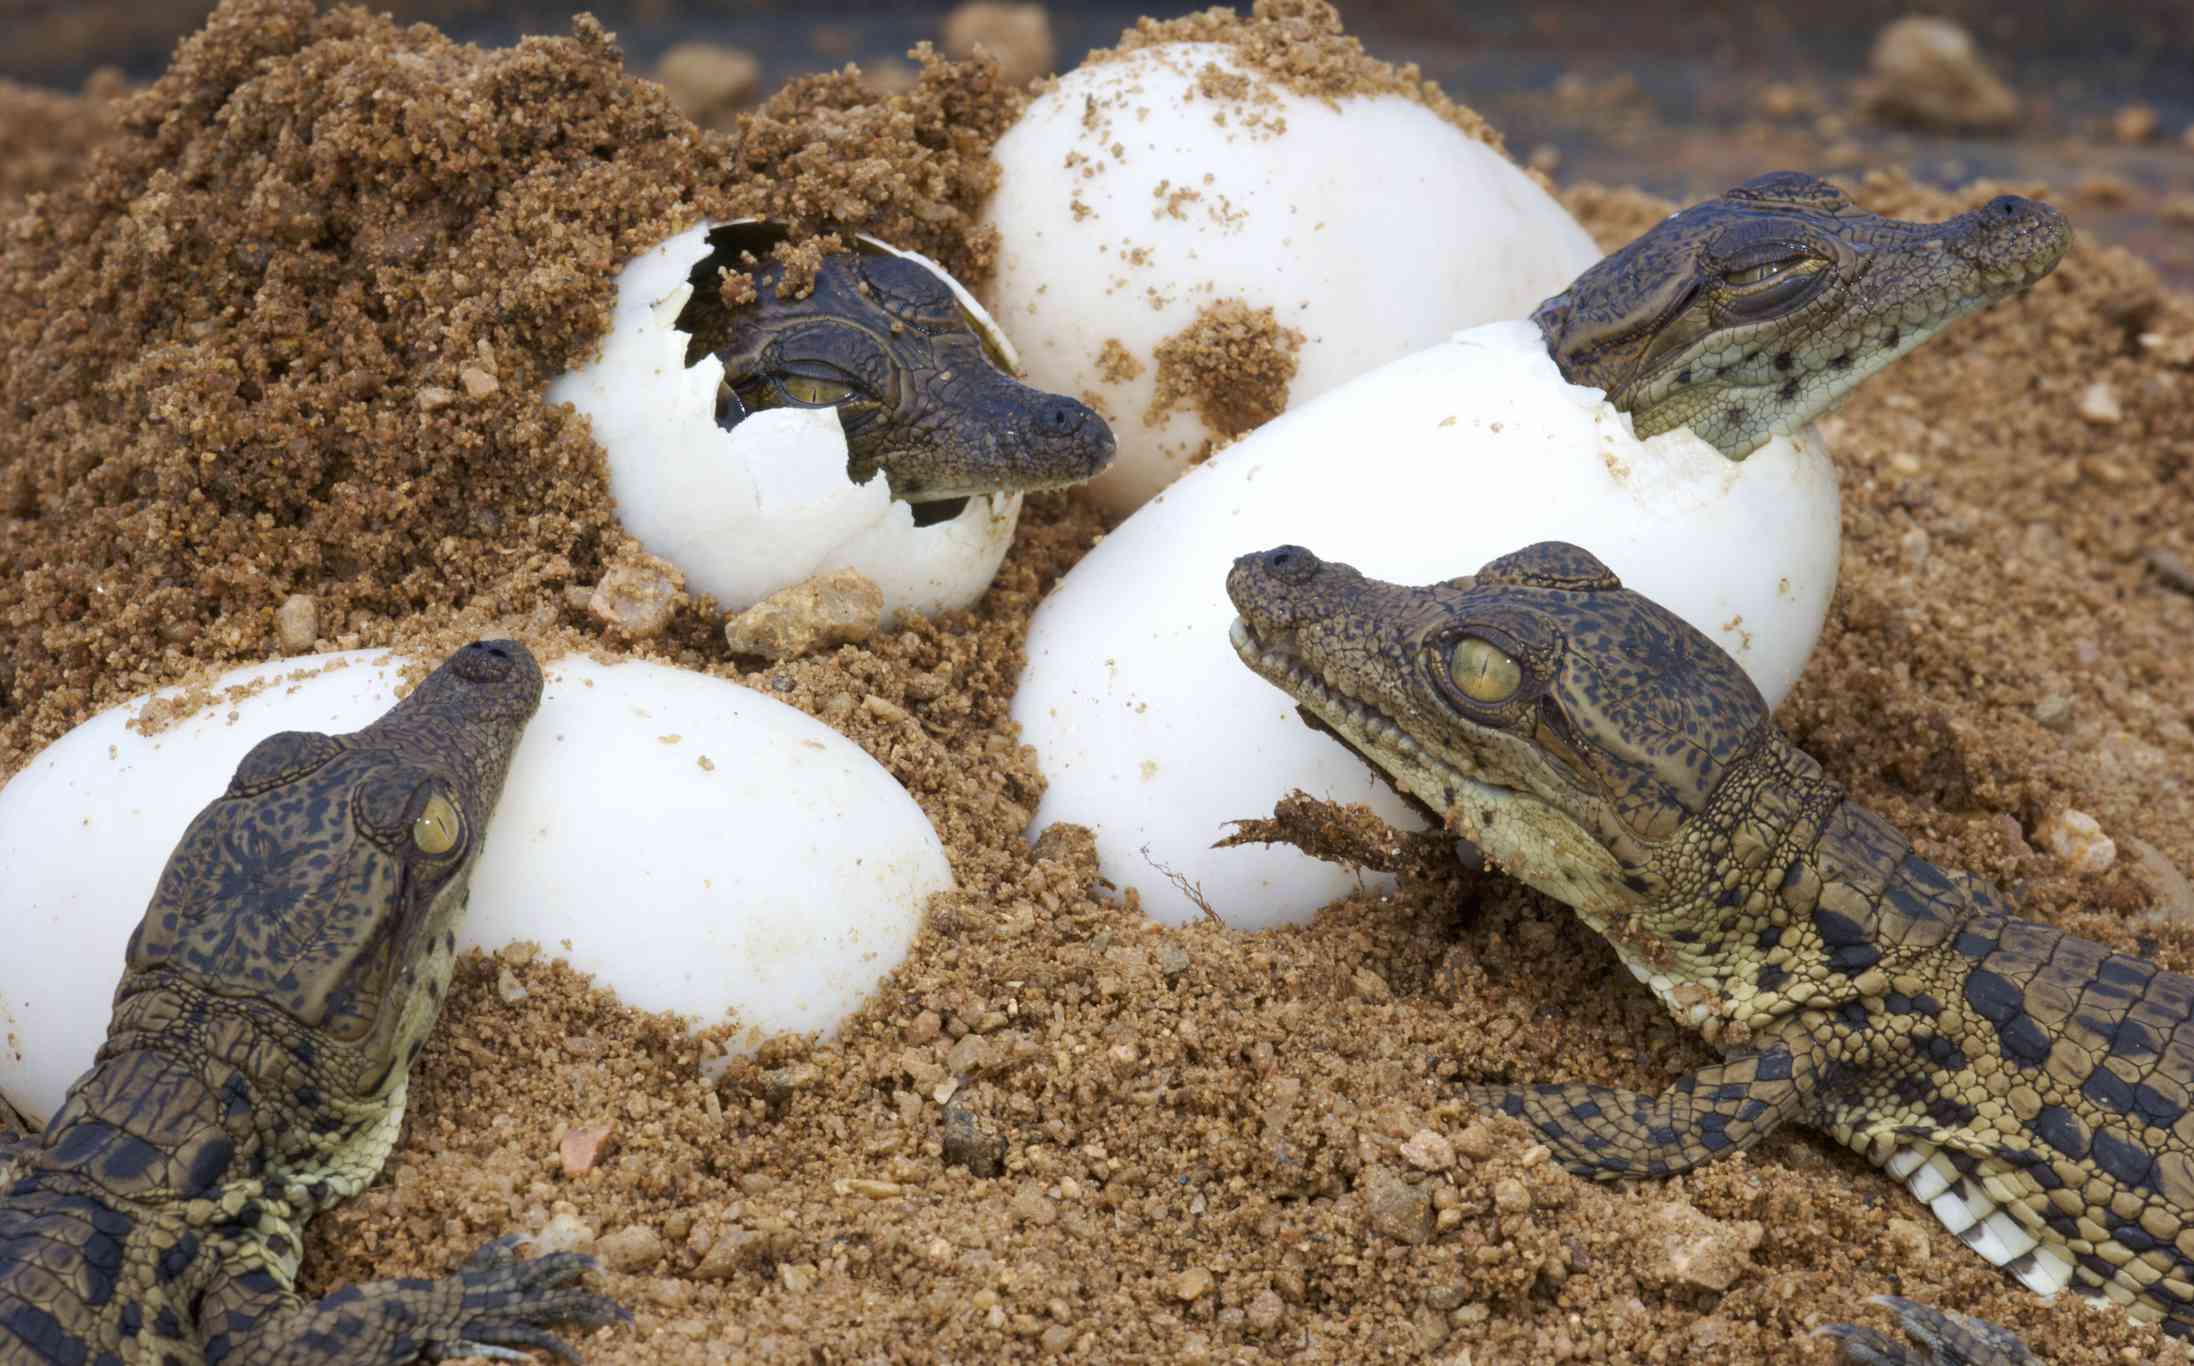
x=731 y=889
x=1150 y=731
x=2078 y=840
x=1369 y=224
x=746 y=512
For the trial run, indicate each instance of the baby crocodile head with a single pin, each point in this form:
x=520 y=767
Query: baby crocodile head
x=1750 y=315
x=326 y=883
x=1570 y=727
x=921 y=390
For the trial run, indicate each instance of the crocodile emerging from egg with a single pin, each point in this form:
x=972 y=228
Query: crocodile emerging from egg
x=923 y=387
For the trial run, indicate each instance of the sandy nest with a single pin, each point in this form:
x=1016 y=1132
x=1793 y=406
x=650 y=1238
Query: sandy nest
x=285 y=331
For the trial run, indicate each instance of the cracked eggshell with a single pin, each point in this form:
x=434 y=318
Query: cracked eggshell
x=725 y=890
x=768 y=504
x=1150 y=731
x=1368 y=224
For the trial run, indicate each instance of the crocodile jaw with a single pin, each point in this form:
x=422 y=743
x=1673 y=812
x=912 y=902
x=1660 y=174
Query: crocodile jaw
x=1524 y=836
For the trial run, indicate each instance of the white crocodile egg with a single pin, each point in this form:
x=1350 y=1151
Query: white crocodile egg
x=1155 y=188
x=680 y=837
x=1150 y=731
x=767 y=504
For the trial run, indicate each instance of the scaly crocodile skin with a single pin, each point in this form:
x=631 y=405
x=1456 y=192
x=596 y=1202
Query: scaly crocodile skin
x=920 y=391
x=1754 y=313
x=282 y=982
x=2035 y=1089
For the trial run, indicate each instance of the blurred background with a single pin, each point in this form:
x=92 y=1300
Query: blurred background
x=1680 y=97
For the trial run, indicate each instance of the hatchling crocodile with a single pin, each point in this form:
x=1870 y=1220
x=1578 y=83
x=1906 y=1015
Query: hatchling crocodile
x=2035 y=1089
x=1753 y=313
x=292 y=961
x=922 y=387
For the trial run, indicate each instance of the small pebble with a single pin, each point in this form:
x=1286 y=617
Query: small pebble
x=2078 y=839
x=1192 y=1285
x=1510 y=1196
x=565 y=1232
x=297 y=624
x=1927 y=71
x=632 y=1248
x=1398 y=1209
x=638 y=598
x=1019 y=36
x=2054 y=712
x=2134 y=123
x=2174 y=891
x=2099 y=404
x=1686 y=1247
x=1475 y=1142
x=1031 y=1206
x=838 y=608
x=1265 y=1311
x=1429 y=1150
x=583 y=1147
x=478 y=382
x=967 y=1143
x=710 y=82
x=509 y=987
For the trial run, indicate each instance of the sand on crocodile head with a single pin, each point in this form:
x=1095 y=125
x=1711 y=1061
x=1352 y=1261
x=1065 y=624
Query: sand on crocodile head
x=235 y=369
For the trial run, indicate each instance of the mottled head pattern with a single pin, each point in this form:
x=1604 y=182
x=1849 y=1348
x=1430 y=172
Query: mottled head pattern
x=1751 y=314
x=1568 y=725
x=326 y=883
x=920 y=390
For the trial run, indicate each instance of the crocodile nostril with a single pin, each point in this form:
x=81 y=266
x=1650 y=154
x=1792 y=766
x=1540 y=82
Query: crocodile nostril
x=1063 y=418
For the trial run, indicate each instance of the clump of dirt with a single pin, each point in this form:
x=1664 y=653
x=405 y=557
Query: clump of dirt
x=1232 y=364
x=45 y=136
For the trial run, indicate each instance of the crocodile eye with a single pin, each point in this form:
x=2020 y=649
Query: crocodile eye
x=437 y=828
x=1760 y=275
x=809 y=392
x=1483 y=672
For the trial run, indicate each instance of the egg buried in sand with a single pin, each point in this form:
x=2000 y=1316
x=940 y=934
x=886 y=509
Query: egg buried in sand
x=675 y=835
x=1195 y=244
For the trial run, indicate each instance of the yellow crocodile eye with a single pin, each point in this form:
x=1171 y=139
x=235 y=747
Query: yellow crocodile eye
x=1758 y=275
x=1483 y=672
x=436 y=830
x=815 y=392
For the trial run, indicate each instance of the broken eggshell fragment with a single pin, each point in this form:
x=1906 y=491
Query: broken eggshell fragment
x=746 y=511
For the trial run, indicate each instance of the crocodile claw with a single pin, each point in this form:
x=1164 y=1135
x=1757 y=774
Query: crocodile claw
x=508 y=1300
x=1948 y=1337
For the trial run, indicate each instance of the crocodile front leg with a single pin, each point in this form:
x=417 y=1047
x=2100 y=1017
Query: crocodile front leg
x=1609 y=1134
x=495 y=1305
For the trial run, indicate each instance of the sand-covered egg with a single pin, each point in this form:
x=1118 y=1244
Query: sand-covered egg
x=746 y=499
x=1195 y=242
x=682 y=838
x=1150 y=731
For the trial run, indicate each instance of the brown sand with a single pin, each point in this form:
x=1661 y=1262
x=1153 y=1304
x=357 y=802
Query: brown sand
x=236 y=366
x=1232 y=364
